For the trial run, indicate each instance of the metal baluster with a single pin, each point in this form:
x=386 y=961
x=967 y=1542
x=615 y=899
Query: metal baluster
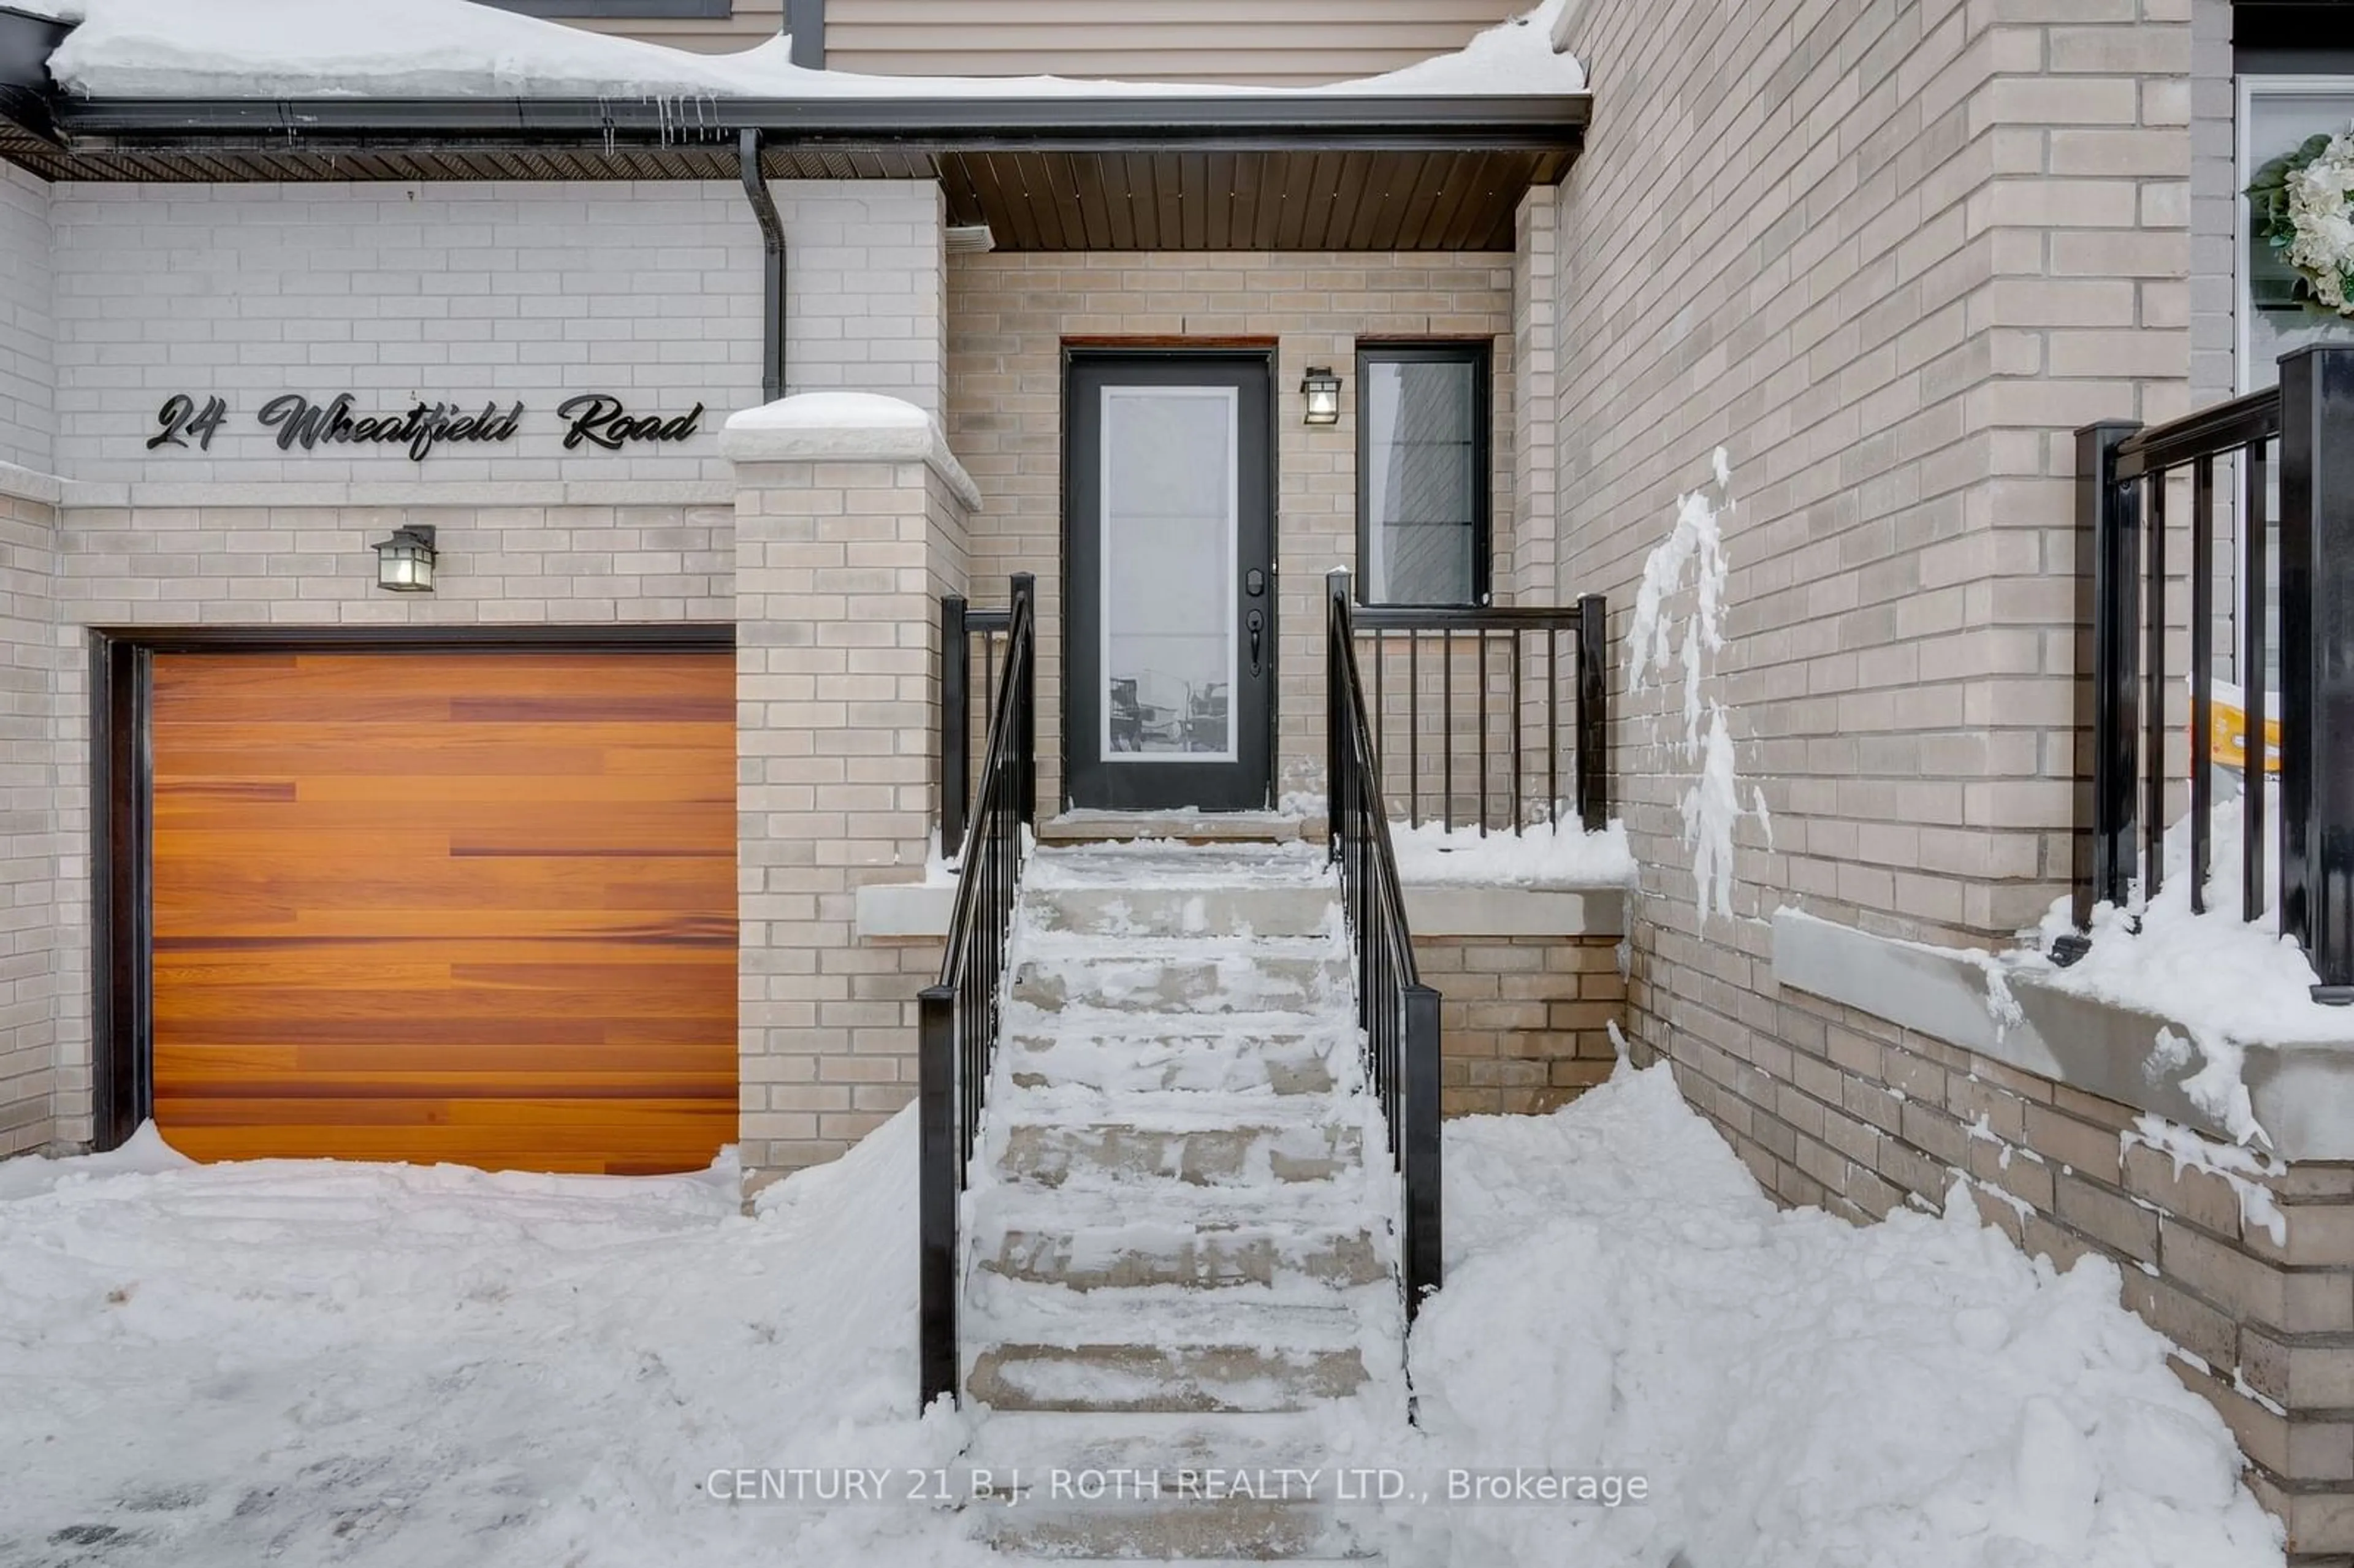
x=1447 y=726
x=1479 y=662
x=1552 y=727
x=1520 y=723
x=1413 y=724
x=2154 y=720
x=2202 y=674
x=2255 y=770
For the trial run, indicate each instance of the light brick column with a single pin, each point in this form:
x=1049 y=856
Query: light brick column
x=1527 y=547
x=29 y=867
x=851 y=522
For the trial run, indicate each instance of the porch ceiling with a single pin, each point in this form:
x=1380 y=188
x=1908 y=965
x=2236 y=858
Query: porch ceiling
x=1263 y=174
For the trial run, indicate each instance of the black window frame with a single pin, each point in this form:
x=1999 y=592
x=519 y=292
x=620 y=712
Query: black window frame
x=1479 y=354
x=619 y=10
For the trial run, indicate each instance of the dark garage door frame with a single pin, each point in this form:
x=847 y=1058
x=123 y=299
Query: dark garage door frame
x=122 y=1034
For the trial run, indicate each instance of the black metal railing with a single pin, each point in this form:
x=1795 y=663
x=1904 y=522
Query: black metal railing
x=1397 y=1013
x=2123 y=473
x=1467 y=706
x=964 y=630
x=957 y=1019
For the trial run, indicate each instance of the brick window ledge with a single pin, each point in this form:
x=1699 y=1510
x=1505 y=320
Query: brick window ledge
x=2303 y=1096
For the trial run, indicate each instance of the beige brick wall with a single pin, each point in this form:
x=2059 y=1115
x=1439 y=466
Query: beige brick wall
x=1902 y=252
x=839 y=564
x=1834 y=1107
x=1008 y=317
x=29 y=866
x=1900 y=258
x=556 y=564
x=1524 y=1020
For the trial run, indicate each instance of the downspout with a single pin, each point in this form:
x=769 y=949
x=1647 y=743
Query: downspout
x=772 y=235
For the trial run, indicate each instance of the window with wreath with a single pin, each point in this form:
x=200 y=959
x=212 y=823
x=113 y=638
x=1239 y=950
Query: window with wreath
x=2296 y=218
x=1423 y=466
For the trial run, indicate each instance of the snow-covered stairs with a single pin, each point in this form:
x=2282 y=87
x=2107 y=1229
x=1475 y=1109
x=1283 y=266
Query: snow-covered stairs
x=1181 y=1256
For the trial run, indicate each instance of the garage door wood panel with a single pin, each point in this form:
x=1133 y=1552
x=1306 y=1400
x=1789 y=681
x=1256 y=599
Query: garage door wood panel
x=442 y=905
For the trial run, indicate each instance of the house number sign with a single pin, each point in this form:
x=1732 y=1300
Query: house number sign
x=596 y=420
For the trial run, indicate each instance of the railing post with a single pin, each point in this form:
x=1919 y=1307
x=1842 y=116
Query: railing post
x=1024 y=598
x=2316 y=588
x=1337 y=633
x=939 y=1182
x=1418 y=1146
x=2108 y=644
x=956 y=719
x=1593 y=717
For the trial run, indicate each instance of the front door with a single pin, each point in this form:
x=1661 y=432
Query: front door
x=1169 y=510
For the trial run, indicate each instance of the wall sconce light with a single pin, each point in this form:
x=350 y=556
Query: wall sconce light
x=404 y=563
x=1322 y=391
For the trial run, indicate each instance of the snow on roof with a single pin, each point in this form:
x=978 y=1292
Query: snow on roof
x=54 y=10
x=456 y=48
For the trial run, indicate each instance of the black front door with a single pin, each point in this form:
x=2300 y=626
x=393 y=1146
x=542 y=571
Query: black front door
x=1169 y=510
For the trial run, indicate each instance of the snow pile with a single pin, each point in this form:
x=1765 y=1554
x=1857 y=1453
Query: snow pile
x=456 y=48
x=1712 y=807
x=144 y=1153
x=1796 y=1390
x=310 y=1362
x=2229 y=982
x=1543 y=855
x=385 y=1366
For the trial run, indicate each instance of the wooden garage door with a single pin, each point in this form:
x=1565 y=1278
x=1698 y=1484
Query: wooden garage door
x=439 y=906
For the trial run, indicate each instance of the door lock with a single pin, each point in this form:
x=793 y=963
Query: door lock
x=1255 y=583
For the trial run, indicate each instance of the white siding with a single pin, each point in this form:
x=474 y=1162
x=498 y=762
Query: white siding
x=749 y=22
x=26 y=330
x=469 y=294
x=1294 y=41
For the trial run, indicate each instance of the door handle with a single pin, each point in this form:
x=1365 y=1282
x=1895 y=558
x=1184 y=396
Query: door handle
x=1257 y=625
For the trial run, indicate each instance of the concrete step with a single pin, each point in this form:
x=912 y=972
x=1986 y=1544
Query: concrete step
x=1209 y=1490
x=1239 y=1375
x=1307 y=977
x=1081 y=827
x=1206 y=1534
x=1249 y=1154
x=1151 y=864
x=1127 y=1053
x=1199 y=1255
x=1274 y=909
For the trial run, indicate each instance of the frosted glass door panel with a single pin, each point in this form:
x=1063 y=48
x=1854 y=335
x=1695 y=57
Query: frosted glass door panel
x=1169 y=539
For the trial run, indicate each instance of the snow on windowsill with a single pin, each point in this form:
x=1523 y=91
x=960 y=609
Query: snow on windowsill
x=456 y=48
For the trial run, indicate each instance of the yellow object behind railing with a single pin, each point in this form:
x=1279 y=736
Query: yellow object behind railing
x=2228 y=728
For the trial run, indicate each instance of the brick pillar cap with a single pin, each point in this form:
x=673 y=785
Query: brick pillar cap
x=845 y=426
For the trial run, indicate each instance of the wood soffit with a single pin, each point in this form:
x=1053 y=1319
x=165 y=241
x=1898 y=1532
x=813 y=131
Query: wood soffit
x=1305 y=173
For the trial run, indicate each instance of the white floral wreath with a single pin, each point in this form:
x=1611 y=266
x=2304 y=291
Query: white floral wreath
x=2303 y=212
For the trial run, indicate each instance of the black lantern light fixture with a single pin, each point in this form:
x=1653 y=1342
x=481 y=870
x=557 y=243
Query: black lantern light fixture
x=1322 y=391
x=404 y=563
